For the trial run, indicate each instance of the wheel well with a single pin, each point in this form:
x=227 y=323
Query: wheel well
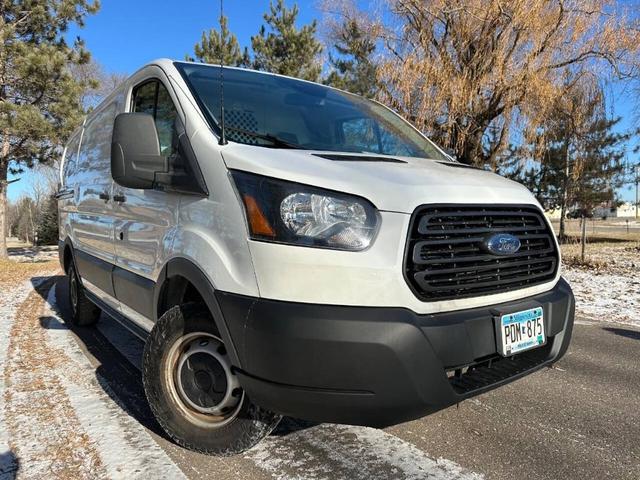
x=176 y=291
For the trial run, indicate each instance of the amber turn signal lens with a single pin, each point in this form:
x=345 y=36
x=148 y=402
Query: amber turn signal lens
x=258 y=223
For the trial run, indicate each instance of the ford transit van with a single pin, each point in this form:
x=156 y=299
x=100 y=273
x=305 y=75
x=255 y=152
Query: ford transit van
x=286 y=248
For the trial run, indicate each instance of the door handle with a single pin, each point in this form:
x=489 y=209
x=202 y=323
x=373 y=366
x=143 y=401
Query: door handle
x=104 y=196
x=119 y=198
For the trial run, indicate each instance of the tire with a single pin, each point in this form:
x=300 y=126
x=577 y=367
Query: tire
x=83 y=311
x=192 y=390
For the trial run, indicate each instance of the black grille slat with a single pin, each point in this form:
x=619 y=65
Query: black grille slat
x=429 y=287
x=481 y=230
x=446 y=257
x=478 y=257
x=486 y=268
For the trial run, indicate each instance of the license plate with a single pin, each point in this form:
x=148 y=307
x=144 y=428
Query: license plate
x=520 y=331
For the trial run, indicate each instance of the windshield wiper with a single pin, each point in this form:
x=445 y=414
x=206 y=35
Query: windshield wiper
x=278 y=142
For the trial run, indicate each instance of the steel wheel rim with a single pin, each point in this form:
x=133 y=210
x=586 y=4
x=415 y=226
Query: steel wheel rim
x=178 y=359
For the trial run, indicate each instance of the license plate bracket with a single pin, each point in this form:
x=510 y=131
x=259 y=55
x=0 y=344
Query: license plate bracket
x=520 y=331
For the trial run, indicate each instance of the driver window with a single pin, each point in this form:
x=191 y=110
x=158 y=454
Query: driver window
x=153 y=98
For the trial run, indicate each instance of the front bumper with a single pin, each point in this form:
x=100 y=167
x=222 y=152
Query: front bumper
x=380 y=366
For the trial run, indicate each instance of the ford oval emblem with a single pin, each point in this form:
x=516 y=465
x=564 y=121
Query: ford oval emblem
x=502 y=244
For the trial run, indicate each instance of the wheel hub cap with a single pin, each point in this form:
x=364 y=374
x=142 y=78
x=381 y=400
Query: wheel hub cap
x=203 y=376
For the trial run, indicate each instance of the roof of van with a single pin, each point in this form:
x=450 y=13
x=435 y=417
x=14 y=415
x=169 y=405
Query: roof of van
x=167 y=62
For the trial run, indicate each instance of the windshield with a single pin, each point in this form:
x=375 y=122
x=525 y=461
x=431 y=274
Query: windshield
x=273 y=111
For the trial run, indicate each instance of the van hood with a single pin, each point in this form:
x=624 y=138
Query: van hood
x=391 y=183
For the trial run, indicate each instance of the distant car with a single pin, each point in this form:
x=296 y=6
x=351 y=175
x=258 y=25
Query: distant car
x=327 y=261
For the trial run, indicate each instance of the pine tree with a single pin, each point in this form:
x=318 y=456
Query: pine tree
x=285 y=49
x=47 y=222
x=354 y=67
x=601 y=168
x=39 y=96
x=216 y=46
x=576 y=162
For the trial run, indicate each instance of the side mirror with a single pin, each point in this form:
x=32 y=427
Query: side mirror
x=135 y=151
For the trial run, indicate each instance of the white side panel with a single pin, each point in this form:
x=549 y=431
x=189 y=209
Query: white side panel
x=145 y=221
x=213 y=235
x=143 y=228
x=92 y=225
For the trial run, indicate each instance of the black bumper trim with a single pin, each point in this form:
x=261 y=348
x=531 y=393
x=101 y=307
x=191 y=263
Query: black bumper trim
x=376 y=366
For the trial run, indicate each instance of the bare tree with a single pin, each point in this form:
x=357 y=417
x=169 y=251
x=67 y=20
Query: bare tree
x=468 y=71
x=100 y=82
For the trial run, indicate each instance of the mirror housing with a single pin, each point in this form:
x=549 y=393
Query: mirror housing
x=135 y=151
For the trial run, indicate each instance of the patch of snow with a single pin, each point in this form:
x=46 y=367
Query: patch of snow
x=33 y=254
x=606 y=296
x=123 y=444
x=9 y=302
x=328 y=452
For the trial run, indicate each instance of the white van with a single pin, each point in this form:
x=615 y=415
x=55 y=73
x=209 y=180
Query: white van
x=308 y=253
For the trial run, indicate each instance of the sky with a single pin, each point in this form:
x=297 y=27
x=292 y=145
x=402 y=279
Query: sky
x=125 y=35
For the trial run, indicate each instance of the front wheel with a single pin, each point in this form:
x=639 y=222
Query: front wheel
x=192 y=389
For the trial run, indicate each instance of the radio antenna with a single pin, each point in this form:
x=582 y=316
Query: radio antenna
x=223 y=136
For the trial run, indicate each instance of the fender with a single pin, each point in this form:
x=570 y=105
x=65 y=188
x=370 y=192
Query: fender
x=181 y=267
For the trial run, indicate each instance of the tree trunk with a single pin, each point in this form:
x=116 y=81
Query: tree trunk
x=583 y=237
x=565 y=195
x=4 y=164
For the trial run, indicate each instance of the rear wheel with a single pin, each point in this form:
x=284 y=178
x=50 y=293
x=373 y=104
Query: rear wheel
x=83 y=311
x=192 y=389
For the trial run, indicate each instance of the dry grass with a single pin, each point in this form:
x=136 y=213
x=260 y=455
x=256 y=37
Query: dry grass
x=51 y=434
x=617 y=256
x=12 y=272
x=589 y=263
x=573 y=249
x=600 y=231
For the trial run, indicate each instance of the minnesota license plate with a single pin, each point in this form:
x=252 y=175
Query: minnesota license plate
x=520 y=331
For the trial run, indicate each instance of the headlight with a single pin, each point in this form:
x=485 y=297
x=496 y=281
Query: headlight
x=286 y=212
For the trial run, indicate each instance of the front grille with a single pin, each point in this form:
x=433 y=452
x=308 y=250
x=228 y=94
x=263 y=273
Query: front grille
x=446 y=258
x=496 y=369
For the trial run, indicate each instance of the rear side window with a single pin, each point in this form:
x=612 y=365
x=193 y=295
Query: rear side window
x=153 y=98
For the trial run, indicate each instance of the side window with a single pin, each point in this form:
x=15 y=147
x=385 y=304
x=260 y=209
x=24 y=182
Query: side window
x=144 y=98
x=153 y=98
